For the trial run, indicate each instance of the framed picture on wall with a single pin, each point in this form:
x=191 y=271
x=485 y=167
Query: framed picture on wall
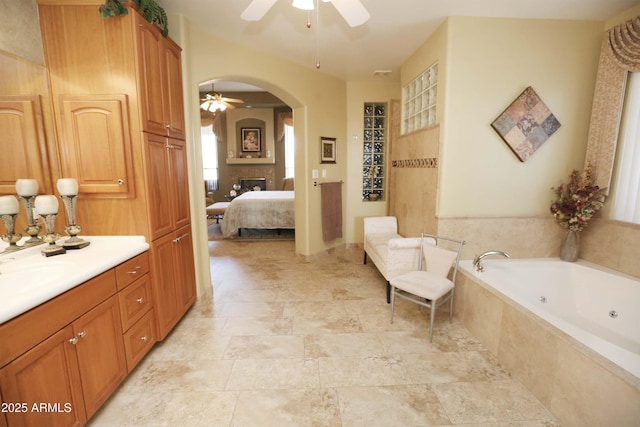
x=251 y=141
x=327 y=150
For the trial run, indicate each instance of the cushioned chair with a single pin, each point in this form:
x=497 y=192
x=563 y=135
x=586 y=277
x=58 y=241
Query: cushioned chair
x=287 y=184
x=429 y=286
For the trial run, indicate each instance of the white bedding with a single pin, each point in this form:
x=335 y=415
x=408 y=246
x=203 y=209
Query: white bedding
x=259 y=209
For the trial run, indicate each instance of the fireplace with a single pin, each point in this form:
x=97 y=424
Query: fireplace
x=248 y=184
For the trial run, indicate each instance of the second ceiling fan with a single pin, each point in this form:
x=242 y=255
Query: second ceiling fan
x=351 y=10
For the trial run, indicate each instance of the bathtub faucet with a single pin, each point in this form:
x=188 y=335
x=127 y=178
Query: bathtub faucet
x=478 y=258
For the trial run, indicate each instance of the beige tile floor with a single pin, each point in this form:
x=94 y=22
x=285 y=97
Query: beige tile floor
x=295 y=341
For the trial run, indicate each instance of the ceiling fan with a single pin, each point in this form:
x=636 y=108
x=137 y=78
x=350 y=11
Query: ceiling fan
x=351 y=10
x=214 y=101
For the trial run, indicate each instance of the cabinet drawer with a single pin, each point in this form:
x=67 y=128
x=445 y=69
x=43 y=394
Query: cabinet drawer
x=139 y=340
x=129 y=271
x=135 y=301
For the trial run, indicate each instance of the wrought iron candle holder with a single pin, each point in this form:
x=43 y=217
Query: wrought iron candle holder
x=27 y=190
x=47 y=208
x=73 y=229
x=68 y=189
x=8 y=213
x=32 y=229
x=11 y=237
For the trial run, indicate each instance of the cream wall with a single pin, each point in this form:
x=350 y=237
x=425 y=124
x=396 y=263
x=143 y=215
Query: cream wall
x=359 y=93
x=319 y=102
x=491 y=61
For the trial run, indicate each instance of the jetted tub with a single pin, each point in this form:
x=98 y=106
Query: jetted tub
x=594 y=305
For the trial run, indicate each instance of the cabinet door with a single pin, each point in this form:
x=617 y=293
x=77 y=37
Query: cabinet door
x=149 y=45
x=164 y=284
x=47 y=374
x=22 y=143
x=101 y=357
x=174 y=96
x=97 y=149
x=160 y=187
x=180 y=185
x=185 y=269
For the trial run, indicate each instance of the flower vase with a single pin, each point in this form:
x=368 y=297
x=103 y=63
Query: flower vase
x=570 y=248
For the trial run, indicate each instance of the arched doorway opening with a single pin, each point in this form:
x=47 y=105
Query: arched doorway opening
x=232 y=165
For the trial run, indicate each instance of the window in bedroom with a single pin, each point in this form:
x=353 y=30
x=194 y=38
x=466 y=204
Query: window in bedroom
x=209 y=158
x=626 y=182
x=419 y=101
x=373 y=170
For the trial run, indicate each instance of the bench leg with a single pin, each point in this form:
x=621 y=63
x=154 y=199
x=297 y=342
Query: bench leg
x=388 y=292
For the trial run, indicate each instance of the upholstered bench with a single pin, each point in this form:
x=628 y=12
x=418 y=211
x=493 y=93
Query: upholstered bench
x=391 y=253
x=217 y=210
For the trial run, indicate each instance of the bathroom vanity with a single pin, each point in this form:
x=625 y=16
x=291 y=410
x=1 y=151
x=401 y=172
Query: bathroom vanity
x=71 y=328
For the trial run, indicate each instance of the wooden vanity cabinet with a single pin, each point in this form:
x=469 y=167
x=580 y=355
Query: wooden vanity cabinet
x=76 y=367
x=48 y=373
x=139 y=79
x=73 y=351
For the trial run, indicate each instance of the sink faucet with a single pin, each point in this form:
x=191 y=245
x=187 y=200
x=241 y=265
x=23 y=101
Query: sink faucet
x=478 y=258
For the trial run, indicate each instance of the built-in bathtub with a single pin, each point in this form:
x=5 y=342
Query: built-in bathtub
x=561 y=328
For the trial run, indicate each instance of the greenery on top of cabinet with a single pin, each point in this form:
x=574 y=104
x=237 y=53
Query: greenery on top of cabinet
x=149 y=8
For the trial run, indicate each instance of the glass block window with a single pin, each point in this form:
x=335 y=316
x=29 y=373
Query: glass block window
x=373 y=170
x=419 y=101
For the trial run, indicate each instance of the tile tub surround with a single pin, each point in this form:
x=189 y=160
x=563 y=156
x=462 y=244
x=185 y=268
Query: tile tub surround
x=611 y=244
x=580 y=387
x=307 y=341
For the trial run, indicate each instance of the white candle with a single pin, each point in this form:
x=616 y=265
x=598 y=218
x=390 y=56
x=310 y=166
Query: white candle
x=46 y=205
x=8 y=205
x=67 y=187
x=27 y=187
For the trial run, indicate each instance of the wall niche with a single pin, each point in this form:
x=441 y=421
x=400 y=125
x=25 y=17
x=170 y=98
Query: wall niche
x=250 y=136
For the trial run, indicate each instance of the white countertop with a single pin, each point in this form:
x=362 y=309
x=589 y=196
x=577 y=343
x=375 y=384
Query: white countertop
x=27 y=278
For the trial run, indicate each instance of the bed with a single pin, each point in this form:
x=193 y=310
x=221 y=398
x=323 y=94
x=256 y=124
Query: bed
x=259 y=209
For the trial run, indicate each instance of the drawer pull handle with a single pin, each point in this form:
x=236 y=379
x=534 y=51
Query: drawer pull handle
x=82 y=334
x=136 y=270
x=74 y=340
x=140 y=300
x=177 y=239
x=143 y=338
x=120 y=181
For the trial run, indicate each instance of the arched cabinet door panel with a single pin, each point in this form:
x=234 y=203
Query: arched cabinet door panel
x=96 y=147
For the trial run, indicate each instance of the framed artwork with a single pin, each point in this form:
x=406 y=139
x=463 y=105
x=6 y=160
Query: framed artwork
x=327 y=150
x=251 y=141
x=526 y=124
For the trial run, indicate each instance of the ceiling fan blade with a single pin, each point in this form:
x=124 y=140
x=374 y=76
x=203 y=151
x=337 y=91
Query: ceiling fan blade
x=352 y=11
x=229 y=106
x=257 y=9
x=225 y=99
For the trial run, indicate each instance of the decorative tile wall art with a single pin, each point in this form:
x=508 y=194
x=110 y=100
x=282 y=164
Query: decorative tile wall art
x=526 y=124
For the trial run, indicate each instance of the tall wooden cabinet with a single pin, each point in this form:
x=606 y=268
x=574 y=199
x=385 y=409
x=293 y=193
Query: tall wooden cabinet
x=116 y=85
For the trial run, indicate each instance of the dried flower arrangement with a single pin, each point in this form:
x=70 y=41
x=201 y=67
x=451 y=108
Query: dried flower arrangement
x=577 y=201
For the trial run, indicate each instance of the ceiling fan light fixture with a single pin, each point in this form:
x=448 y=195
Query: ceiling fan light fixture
x=303 y=4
